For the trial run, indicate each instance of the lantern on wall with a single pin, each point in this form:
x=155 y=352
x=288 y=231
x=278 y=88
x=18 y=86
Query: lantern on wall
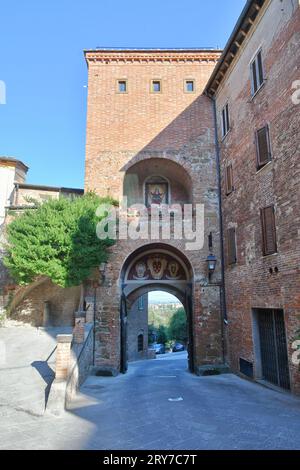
x=211 y=264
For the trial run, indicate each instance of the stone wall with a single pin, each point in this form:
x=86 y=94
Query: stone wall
x=138 y=324
x=30 y=304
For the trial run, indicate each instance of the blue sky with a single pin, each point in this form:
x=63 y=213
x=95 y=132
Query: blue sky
x=42 y=65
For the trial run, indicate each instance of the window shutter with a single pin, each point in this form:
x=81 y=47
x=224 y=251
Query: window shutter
x=254 y=78
x=231 y=246
x=268 y=230
x=260 y=69
x=229 y=179
x=227 y=118
x=263 y=146
x=223 y=122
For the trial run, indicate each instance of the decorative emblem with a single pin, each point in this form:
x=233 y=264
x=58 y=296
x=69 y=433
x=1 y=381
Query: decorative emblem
x=173 y=269
x=157 y=266
x=140 y=269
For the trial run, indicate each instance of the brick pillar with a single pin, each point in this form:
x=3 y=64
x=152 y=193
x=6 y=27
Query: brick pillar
x=63 y=356
x=79 y=329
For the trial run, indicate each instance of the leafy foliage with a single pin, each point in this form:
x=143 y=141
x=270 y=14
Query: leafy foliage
x=178 y=326
x=57 y=239
x=174 y=327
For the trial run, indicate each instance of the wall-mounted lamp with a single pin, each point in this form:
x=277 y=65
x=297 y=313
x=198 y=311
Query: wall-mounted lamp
x=211 y=264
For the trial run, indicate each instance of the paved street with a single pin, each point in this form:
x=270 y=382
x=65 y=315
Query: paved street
x=159 y=405
x=27 y=361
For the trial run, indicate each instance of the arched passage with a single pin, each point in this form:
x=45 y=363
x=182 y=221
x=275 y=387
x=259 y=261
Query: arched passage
x=159 y=267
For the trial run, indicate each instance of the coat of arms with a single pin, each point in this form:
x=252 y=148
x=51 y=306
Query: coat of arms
x=173 y=268
x=157 y=266
x=140 y=269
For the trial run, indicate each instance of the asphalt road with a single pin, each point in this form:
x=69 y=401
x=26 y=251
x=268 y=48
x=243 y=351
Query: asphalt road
x=157 y=405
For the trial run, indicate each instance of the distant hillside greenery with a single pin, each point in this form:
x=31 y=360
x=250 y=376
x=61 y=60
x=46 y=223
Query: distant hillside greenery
x=167 y=325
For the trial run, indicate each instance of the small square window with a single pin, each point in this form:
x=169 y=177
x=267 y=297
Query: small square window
x=156 y=86
x=122 y=86
x=189 y=86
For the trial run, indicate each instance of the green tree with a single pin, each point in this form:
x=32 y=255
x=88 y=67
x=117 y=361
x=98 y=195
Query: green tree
x=178 y=326
x=57 y=239
x=162 y=334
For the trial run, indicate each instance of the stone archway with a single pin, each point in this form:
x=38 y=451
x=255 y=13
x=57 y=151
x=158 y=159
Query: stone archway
x=156 y=267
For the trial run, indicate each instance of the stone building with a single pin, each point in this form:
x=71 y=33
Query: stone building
x=152 y=120
x=12 y=171
x=196 y=127
x=258 y=136
x=137 y=337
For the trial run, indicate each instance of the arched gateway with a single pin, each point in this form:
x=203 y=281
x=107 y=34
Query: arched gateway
x=157 y=267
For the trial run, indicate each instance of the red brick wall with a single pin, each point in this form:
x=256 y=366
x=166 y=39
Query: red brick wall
x=170 y=134
x=249 y=283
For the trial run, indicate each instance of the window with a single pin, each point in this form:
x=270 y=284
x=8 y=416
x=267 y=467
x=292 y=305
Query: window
x=140 y=342
x=156 y=86
x=141 y=303
x=225 y=120
x=268 y=230
x=231 y=245
x=229 y=179
x=257 y=75
x=189 y=86
x=263 y=147
x=122 y=86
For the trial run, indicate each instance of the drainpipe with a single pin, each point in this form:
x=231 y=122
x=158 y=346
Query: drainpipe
x=223 y=296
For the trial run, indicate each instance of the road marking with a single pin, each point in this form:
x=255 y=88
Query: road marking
x=166 y=376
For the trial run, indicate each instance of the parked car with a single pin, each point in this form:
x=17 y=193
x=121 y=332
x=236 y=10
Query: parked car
x=178 y=347
x=158 y=348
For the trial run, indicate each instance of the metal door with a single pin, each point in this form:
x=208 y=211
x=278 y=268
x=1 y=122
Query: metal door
x=189 y=314
x=273 y=346
x=123 y=339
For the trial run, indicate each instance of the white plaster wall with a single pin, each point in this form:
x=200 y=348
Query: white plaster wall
x=7 y=178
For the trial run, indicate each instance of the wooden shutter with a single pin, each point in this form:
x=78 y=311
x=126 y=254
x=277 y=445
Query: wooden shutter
x=231 y=246
x=227 y=117
x=260 y=69
x=263 y=146
x=268 y=230
x=229 y=179
x=223 y=122
x=254 y=77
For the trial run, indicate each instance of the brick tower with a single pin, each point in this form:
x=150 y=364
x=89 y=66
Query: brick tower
x=150 y=131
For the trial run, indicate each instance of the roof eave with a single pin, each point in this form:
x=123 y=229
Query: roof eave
x=236 y=39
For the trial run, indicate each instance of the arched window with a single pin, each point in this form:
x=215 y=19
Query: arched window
x=140 y=342
x=157 y=191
